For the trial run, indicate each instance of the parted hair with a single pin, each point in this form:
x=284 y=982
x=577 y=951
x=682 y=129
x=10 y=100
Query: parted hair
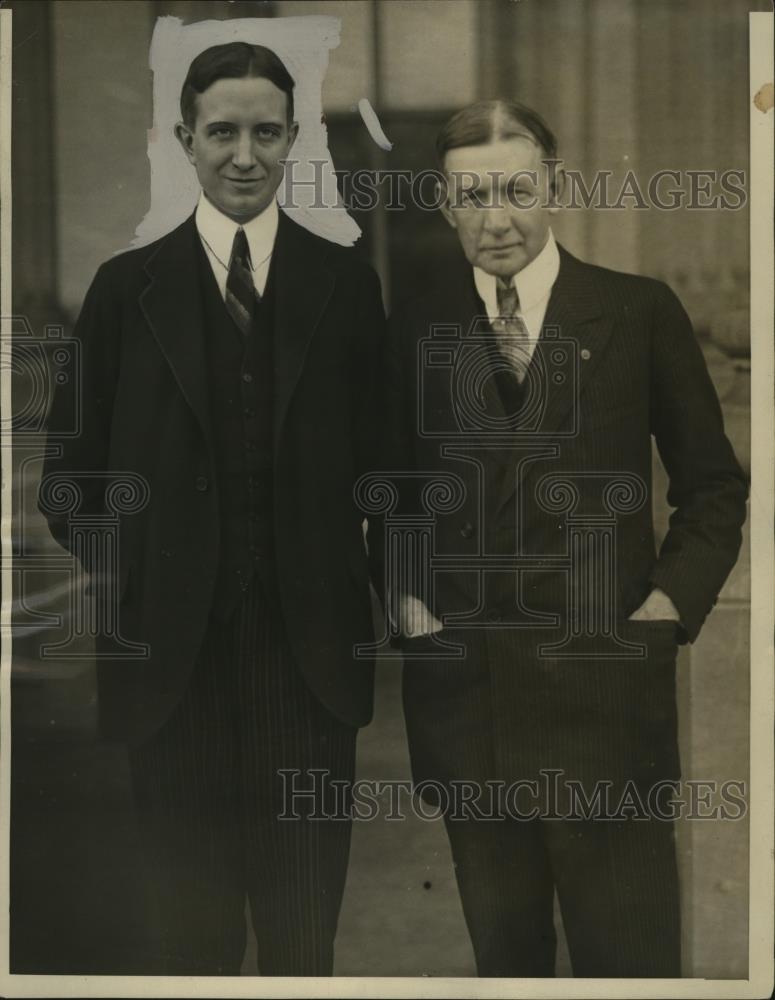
x=233 y=60
x=488 y=121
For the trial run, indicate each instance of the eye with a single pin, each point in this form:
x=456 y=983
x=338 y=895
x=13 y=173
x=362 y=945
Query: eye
x=520 y=197
x=472 y=199
x=268 y=132
x=221 y=132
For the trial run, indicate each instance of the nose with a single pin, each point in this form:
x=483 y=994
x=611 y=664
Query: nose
x=497 y=220
x=244 y=154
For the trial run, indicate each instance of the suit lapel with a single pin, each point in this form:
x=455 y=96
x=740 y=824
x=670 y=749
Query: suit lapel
x=471 y=399
x=477 y=390
x=303 y=286
x=574 y=313
x=175 y=315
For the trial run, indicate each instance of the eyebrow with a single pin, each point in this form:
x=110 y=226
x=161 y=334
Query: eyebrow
x=262 y=124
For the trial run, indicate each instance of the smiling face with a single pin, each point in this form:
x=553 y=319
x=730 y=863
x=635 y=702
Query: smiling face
x=500 y=203
x=239 y=143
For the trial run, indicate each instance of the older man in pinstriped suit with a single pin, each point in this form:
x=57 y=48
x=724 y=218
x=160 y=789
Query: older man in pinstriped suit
x=523 y=704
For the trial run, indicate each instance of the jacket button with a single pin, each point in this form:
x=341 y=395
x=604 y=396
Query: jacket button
x=201 y=483
x=467 y=530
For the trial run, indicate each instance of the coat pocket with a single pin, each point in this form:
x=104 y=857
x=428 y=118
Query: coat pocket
x=660 y=636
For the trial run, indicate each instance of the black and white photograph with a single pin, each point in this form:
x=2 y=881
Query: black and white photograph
x=388 y=446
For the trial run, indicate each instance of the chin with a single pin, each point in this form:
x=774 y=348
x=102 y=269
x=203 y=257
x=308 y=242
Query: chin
x=246 y=211
x=501 y=268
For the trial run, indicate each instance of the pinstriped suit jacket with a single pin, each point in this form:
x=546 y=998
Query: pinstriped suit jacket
x=637 y=374
x=145 y=410
x=618 y=367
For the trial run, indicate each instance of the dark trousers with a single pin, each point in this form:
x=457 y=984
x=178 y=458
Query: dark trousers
x=216 y=817
x=617 y=885
x=500 y=714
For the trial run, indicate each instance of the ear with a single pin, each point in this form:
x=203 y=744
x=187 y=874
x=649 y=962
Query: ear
x=293 y=131
x=557 y=190
x=185 y=137
x=442 y=196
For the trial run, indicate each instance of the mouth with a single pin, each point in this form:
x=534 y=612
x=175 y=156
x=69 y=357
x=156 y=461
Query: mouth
x=244 y=181
x=503 y=248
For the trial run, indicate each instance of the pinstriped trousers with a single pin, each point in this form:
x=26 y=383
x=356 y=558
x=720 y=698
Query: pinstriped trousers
x=501 y=712
x=208 y=794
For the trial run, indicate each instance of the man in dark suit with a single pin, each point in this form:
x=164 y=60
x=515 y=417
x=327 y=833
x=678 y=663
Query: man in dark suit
x=530 y=385
x=231 y=365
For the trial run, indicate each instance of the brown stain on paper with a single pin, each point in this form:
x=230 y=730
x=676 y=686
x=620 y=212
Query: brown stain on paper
x=764 y=98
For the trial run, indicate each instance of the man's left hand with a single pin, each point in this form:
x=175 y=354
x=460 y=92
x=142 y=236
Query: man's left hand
x=656 y=607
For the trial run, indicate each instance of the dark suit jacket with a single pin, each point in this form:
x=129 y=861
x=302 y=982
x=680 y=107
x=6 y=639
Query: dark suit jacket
x=145 y=410
x=512 y=708
x=640 y=373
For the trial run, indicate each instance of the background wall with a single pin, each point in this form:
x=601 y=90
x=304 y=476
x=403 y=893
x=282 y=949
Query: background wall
x=625 y=84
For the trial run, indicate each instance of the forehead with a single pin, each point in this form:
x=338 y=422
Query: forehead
x=244 y=99
x=501 y=156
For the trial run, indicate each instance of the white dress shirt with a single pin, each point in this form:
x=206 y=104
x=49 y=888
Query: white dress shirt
x=534 y=286
x=217 y=230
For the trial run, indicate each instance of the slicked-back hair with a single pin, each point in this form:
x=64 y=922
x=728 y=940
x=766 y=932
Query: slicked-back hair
x=490 y=121
x=234 y=61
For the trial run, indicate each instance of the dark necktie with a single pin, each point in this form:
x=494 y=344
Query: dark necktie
x=241 y=295
x=511 y=334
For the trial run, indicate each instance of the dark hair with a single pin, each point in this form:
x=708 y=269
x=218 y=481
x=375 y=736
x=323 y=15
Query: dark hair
x=489 y=121
x=234 y=60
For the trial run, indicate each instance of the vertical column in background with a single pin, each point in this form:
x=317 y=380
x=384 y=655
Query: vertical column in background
x=731 y=52
x=761 y=121
x=34 y=241
x=713 y=95
x=102 y=109
x=6 y=569
x=612 y=135
x=190 y=11
x=701 y=85
x=692 y=67
x=427 y=55
x=378 y=157
x=32 y=156
x=352 y=74
x=728 y=249
x=496 y=56
x=542 y=55
x=662 y=148
x=661 y=130
x=708 y=153
x=556 y=84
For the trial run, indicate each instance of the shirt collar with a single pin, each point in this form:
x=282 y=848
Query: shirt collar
x=534 y=282
x=217 y=230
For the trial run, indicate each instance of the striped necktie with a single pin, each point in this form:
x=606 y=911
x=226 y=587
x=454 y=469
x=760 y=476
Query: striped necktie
x=511 y=334
x=241 y=294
